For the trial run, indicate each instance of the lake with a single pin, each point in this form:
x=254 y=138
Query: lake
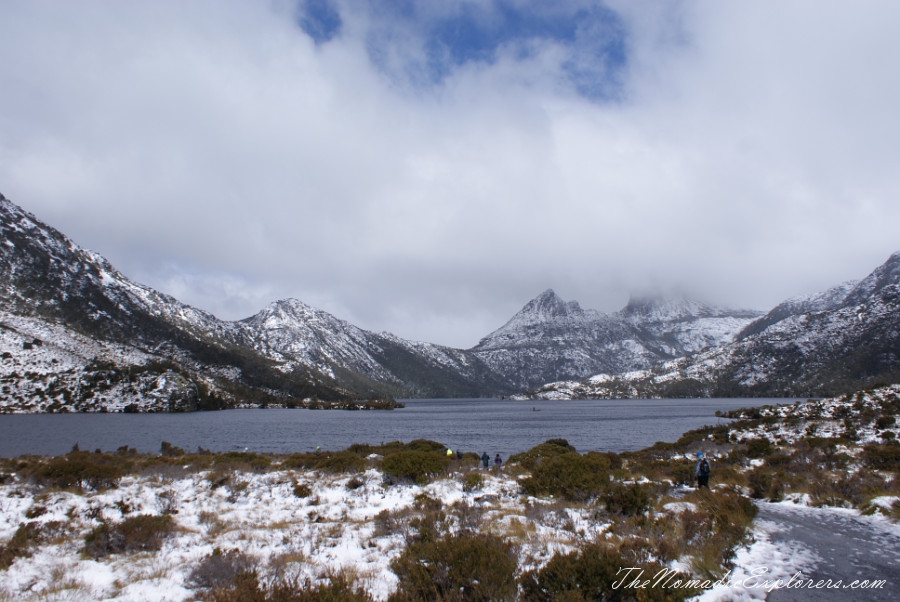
x=491 y=425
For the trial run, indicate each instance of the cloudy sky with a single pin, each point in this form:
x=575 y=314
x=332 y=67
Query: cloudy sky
x=427 y=167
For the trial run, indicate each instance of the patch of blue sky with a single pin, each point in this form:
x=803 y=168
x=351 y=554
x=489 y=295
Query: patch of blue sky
x=424 y=43
x=319 y=19
x=594 y=36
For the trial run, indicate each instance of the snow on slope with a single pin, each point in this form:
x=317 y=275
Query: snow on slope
x=42 y=364
x=552 y=339
x=848 y=336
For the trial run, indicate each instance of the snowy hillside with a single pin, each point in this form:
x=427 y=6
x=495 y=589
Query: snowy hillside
x=152 y=351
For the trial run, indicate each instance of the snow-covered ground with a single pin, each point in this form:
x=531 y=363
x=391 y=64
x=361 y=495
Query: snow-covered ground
x=333 y=528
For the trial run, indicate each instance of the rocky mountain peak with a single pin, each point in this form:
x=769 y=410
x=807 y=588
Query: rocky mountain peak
x=548 y=305
x=284 y=312
x=885 y=275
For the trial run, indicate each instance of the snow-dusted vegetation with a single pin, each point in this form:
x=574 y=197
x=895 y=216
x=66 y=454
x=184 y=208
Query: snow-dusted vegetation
x=366 y=522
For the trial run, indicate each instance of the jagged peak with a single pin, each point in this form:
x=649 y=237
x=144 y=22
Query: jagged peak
x=550 y=305
x=884 y=275
x=282 y=307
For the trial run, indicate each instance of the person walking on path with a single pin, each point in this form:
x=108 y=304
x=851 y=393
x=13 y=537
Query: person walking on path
x=701 y=471
x=498 y=461
x=485 y=460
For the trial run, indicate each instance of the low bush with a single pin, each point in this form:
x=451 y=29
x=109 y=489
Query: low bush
x=534 y=457
x=387 y=523
x=765 y=483
x=143 y=532
x=882 y=456
x=220 y=569
x=729 y=516
x=591 y=574
x=569 y=475
x=83 y=470
x=628 y=500
x=334 y=462
x=845 y=489
x=472 y=481
x=169 y=450
x=884 y=422
x=245 y=587
x=759 y=447
x=242 y=460
x=414 y=465
x=463 y=567
x=27 y=536
x=302 y=490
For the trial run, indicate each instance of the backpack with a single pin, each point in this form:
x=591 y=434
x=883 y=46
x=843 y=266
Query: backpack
x=704 y=467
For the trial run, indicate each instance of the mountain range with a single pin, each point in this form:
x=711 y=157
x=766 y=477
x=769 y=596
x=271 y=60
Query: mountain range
x=78 y=335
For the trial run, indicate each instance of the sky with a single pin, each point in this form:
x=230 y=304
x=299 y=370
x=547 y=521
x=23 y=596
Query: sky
x=427 y=167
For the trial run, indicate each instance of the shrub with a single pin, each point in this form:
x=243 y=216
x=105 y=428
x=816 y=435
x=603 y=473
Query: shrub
x=343 y=462
x=414 y=465
x=759 y=448
x=570 y=475
x=882 y=456
x=82 y=470
x=472 y=481
x=855 y=489
x=220 y=569
x=242 y=460
x=590 y=573
x=884 y=422
x=169 y=450
x=426 y=445
x=335 y=462
x=464 y=567
x=143 y=532
x=26 y=537
x=302 y=490
x=245 y=587
x=765 y=484
x=534 y=457
x=627 y=500
x=386 y=523
x=729 y=515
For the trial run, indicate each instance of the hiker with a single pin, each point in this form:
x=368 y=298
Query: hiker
x=458 y=455
x=701 y=470
x=497 y=462
x=485 y=460
x=449 y=453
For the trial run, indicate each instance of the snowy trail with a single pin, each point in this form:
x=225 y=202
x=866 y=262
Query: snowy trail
x=835 y=544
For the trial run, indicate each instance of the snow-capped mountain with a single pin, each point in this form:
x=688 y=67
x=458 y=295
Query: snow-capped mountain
x=843 y=339
x=76 y=334
x=51 y=285
x=297 y=335
x=550 y=339
x=107 y=342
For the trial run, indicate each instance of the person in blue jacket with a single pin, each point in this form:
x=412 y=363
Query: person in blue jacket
x=701 y=470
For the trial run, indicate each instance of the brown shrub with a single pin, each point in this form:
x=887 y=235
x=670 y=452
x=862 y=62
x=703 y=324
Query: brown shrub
x=143 y=532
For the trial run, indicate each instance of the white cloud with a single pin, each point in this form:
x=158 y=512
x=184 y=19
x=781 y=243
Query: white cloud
x=214 y=151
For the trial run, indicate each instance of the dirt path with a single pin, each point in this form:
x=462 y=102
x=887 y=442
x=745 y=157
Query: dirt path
x=835 y=544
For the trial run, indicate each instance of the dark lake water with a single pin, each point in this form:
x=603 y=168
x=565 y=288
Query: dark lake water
x=495 y=426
